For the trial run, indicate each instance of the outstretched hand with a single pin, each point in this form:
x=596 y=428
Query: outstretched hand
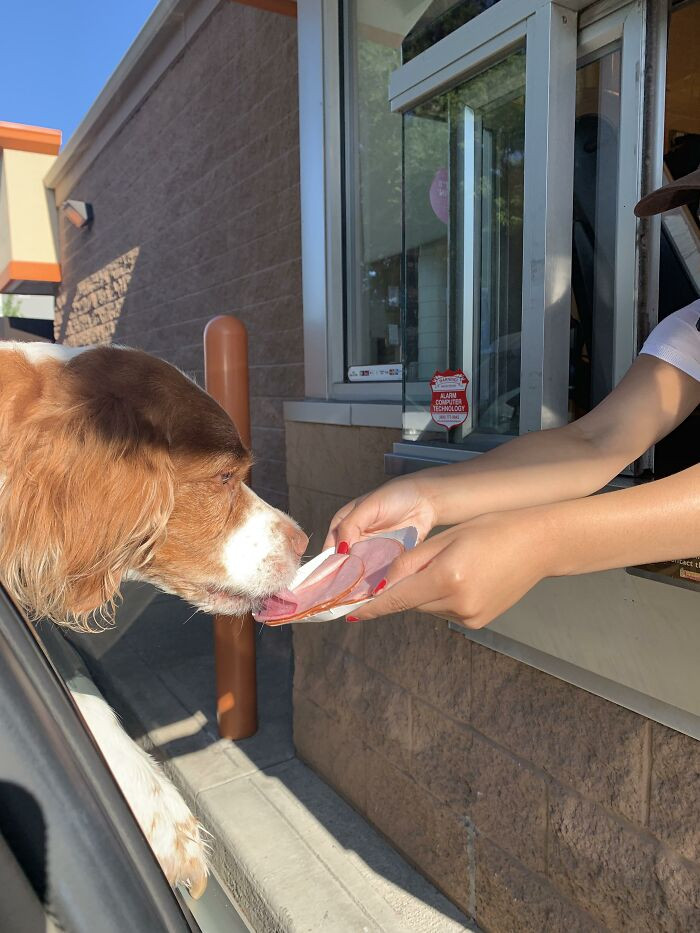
x=470 y=573
x=397 y=504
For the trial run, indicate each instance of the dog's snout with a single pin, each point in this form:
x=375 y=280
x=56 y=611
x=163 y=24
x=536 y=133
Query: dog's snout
x=296 y=538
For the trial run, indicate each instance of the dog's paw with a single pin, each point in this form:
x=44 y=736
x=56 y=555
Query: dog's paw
x=175 y=836
x=177 y=839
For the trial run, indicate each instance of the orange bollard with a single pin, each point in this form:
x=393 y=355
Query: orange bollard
x=226 y=379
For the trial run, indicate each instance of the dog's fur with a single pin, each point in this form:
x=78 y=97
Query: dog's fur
x=114 y=465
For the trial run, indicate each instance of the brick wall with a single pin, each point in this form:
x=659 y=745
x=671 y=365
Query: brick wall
x=196 y=204
x=534 y=805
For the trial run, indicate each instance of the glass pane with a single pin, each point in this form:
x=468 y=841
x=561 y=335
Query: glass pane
x=594 y=231
x=440 y=19
x=463 y=216
x=372 y=144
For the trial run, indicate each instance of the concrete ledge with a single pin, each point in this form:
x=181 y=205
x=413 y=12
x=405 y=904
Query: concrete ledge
x=294 y=855
x=361 y=414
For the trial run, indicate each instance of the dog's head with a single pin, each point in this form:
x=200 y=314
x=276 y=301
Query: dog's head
x=114 y=464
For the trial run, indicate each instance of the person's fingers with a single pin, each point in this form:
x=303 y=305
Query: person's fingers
x=412 y=580
x=332 y=537
x=409 y=593
x=414 y=560
x=361 y=520
x=445 y=609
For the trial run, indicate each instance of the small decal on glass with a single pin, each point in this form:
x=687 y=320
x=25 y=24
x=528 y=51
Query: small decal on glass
x=448 y=399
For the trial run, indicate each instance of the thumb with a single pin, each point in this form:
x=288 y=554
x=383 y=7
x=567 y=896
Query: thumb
x=332 y=538
x=358 y=522
x=410 y=583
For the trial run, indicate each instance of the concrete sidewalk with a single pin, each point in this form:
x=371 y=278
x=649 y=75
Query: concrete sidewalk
x=295 y=856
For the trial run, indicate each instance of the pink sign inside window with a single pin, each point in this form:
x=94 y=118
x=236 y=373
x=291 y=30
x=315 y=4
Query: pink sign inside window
x=440 y=195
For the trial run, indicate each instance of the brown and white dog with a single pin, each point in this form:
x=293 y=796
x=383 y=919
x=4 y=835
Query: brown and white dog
x=114 y=465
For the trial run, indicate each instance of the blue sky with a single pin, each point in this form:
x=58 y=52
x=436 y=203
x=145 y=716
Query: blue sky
x=58 y=54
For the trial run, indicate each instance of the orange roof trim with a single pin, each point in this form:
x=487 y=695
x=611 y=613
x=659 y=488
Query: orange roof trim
x=285 y=7
x=29 y=138
x=29 y=272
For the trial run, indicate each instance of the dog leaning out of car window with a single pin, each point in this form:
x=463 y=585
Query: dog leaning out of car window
x=115 y=466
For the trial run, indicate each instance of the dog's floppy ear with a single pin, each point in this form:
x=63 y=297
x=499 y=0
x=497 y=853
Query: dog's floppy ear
x=77 y=509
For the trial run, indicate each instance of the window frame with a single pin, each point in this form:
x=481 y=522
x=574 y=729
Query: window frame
x=322 y=209
x=556 y=37
x=554 y=48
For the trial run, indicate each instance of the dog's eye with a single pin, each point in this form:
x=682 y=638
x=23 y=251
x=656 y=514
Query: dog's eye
x=226 y=477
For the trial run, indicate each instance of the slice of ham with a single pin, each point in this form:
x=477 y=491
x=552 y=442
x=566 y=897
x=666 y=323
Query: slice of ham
x=339 y=580
x=330 y=566
x=285 y=603
x=329 y=590
x=377 y=554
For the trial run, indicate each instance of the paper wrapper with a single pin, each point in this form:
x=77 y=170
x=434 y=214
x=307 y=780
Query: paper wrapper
x=407 y=536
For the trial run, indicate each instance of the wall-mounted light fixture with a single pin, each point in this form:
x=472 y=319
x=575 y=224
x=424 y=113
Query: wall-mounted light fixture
x=79 y=213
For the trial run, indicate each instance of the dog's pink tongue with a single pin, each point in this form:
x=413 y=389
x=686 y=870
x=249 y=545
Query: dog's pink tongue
x=334 y=577
x=283 y=603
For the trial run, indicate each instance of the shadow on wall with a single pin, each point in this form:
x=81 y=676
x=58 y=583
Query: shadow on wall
x=96 y=303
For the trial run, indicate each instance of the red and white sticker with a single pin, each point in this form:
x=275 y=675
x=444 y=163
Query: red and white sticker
x=448 y=402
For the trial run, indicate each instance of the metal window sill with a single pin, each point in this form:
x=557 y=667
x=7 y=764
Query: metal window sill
x=377 y=414
x=408 y=456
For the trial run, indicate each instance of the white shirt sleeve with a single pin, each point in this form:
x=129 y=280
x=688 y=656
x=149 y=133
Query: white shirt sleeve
x=676 y=340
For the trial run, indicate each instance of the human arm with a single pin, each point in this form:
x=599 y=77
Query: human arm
x=477 y=570
x=534 y=469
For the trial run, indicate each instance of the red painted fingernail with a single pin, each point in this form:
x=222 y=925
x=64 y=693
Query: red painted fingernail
x=351 y=619
x=343 y=548
x=378 y=587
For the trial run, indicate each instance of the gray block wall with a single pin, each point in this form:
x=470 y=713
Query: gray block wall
x=196 y=213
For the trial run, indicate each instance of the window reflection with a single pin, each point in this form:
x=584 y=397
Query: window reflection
x=440 y=19
x=463 y=213
x=372 y=149
x=596 y=140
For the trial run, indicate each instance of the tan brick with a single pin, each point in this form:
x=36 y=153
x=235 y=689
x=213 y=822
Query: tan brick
x=511 y=899
x=309 y=647
x=588 y=743
x=371 y=709
x=387 y=719
x=440 y=756
x=284 y=380
x=336 y=681
x=346 y=636
x=501 y=797
x=429 y=834
x=674 y=813
x=421 y=654
x=271 y=474
x=282 y=346
x=265 y=316
x=618 y=873
x=269 y=442
x=337 y=459
x=267 y=412
x=331 y=750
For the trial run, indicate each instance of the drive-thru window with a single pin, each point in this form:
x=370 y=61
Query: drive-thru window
x=482 y=266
